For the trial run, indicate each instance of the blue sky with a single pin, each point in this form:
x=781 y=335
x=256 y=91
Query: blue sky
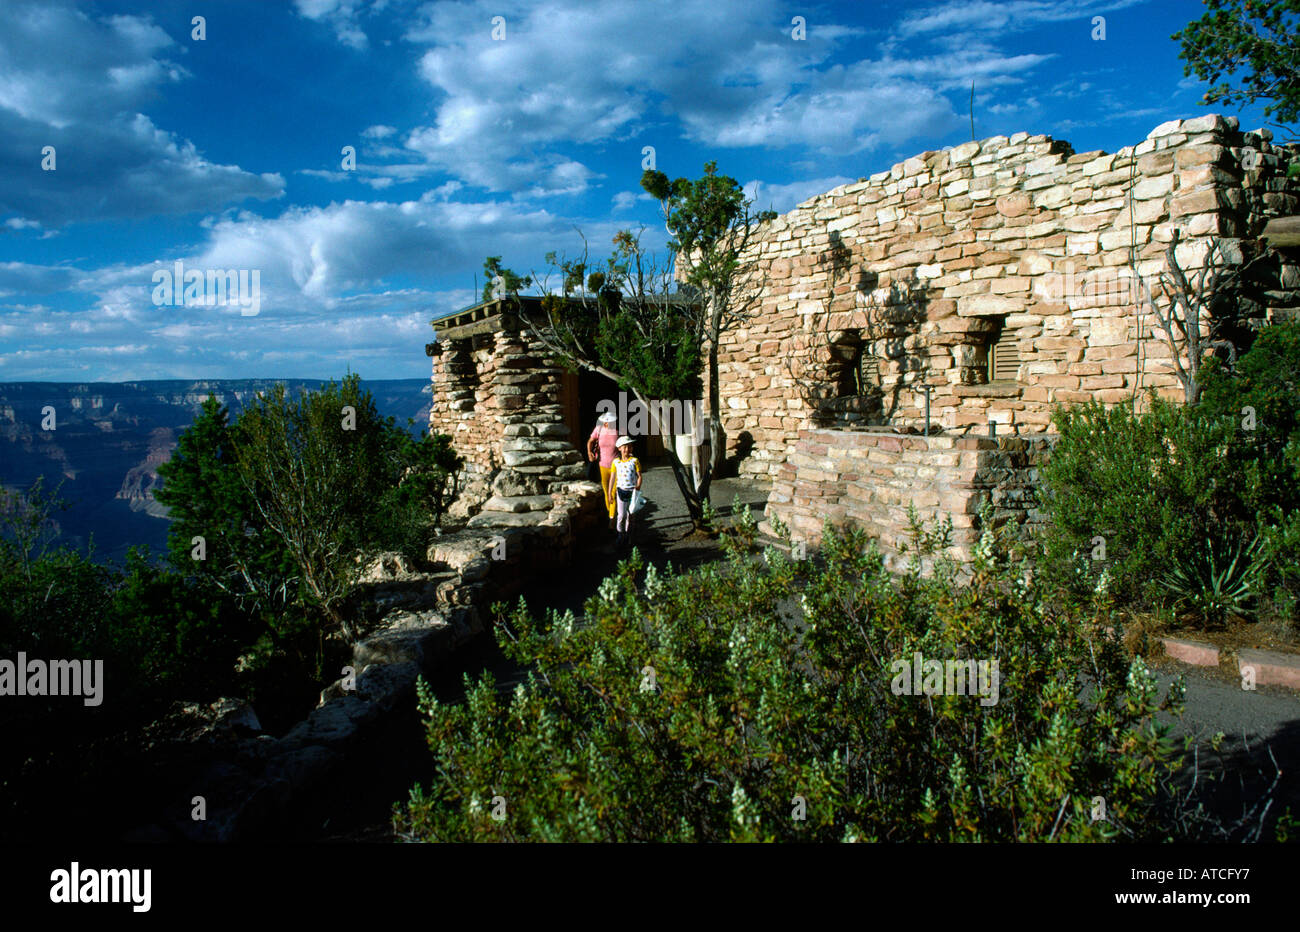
x=226 y=152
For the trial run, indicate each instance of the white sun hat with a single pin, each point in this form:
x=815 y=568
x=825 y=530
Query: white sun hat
x=608 y=418
x=623 y=441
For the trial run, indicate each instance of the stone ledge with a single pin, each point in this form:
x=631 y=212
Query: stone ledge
x=1272 y=668
x=494 y=519
x=517 y=504
x=988 y=390
x=1196 y=653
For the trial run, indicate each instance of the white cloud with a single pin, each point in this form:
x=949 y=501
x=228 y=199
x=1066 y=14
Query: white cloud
x=74 y=82
x=342 y=15
x=333 y=289
x=1002 y=16
x=124 y=167
x=61 y=67
x=624 y=200
x=783 y=197
x=570 y=74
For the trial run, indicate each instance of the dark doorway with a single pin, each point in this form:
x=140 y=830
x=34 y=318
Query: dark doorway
x=587 y=391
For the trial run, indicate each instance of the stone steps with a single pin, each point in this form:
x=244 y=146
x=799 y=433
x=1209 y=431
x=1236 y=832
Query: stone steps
x=507 y=519
x=518 y=503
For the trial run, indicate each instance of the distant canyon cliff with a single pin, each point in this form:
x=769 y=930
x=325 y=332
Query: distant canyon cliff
x=110 y=437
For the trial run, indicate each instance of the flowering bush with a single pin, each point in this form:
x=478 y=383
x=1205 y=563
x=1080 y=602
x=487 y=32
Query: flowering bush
x=752 y=701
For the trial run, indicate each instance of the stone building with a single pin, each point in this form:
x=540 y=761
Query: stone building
x=999 y=275
x=899 y=316
x=506 y=404
x=915 y=329
x=518 y=416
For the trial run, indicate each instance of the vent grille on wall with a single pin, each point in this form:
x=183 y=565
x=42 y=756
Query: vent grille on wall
x=868 y=373
x=1004 y=358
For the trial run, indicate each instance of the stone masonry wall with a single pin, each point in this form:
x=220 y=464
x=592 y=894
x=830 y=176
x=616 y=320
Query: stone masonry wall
x=869 y=477
x=929 y=262
x=501 y=398
x=464 y=403
x=529 y=389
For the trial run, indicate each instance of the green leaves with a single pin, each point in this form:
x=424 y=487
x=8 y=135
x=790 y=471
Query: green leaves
x=1255 y=45
x=772 y=684
x=1216 y=581
x=206 y=499
x=709 y=219
x=654 y=352
x=409 y=510
x=1149 y=485
x=316 y=468
x=1177 y=492
x=500 y=281
x=286 y=499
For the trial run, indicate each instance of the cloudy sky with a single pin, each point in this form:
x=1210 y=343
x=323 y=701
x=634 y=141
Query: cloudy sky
x=128 y=142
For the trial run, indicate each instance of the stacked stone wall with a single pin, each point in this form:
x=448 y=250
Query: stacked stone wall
x=464 y=403
x=1019 y=239
x=501 y=398
x=529 y=387
x=869 y=478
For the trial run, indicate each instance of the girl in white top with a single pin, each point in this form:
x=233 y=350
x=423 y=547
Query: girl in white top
x=627 y=478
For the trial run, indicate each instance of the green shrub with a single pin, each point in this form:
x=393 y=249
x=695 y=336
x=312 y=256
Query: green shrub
x=291 y=496
x=1129 y=492
x=1265 y=385
x=1280 y=559
x=178 y=637
x=412 y=508
x=1216 y=581
x=713 y=705
x=1261 y=396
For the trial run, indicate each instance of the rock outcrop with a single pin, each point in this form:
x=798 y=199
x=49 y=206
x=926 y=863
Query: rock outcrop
x=253 y=782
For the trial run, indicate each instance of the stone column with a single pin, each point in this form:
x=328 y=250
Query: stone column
x=528 y=384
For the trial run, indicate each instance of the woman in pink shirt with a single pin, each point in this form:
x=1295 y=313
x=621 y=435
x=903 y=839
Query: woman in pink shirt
x=601 y=444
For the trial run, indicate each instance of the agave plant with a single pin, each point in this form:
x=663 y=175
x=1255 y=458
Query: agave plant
x=1216 y=581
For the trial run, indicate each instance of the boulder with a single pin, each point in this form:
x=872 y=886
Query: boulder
x=408 y=637
x=508 y=483
x=538 y=458
x=387 y=684
x=475 y=569
x=456 y=549
x=382 y=567
x=234 y=716
x=334 y=725
x=299 y=769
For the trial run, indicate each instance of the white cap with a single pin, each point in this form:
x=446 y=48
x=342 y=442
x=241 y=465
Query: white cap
x=623 y=441
x=607 y=418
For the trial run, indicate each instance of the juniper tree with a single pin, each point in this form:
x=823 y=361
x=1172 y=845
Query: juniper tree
x=1249 y=50
x=651 y=330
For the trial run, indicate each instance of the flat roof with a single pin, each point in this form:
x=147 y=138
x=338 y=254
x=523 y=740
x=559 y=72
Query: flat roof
x=485 y=316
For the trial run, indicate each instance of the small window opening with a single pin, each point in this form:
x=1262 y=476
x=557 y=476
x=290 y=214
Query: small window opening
x=1004 y=357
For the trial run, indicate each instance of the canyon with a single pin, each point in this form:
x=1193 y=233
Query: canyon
x=110 y=437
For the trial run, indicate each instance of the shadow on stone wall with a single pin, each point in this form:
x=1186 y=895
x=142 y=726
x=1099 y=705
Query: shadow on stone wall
x=859 y=318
